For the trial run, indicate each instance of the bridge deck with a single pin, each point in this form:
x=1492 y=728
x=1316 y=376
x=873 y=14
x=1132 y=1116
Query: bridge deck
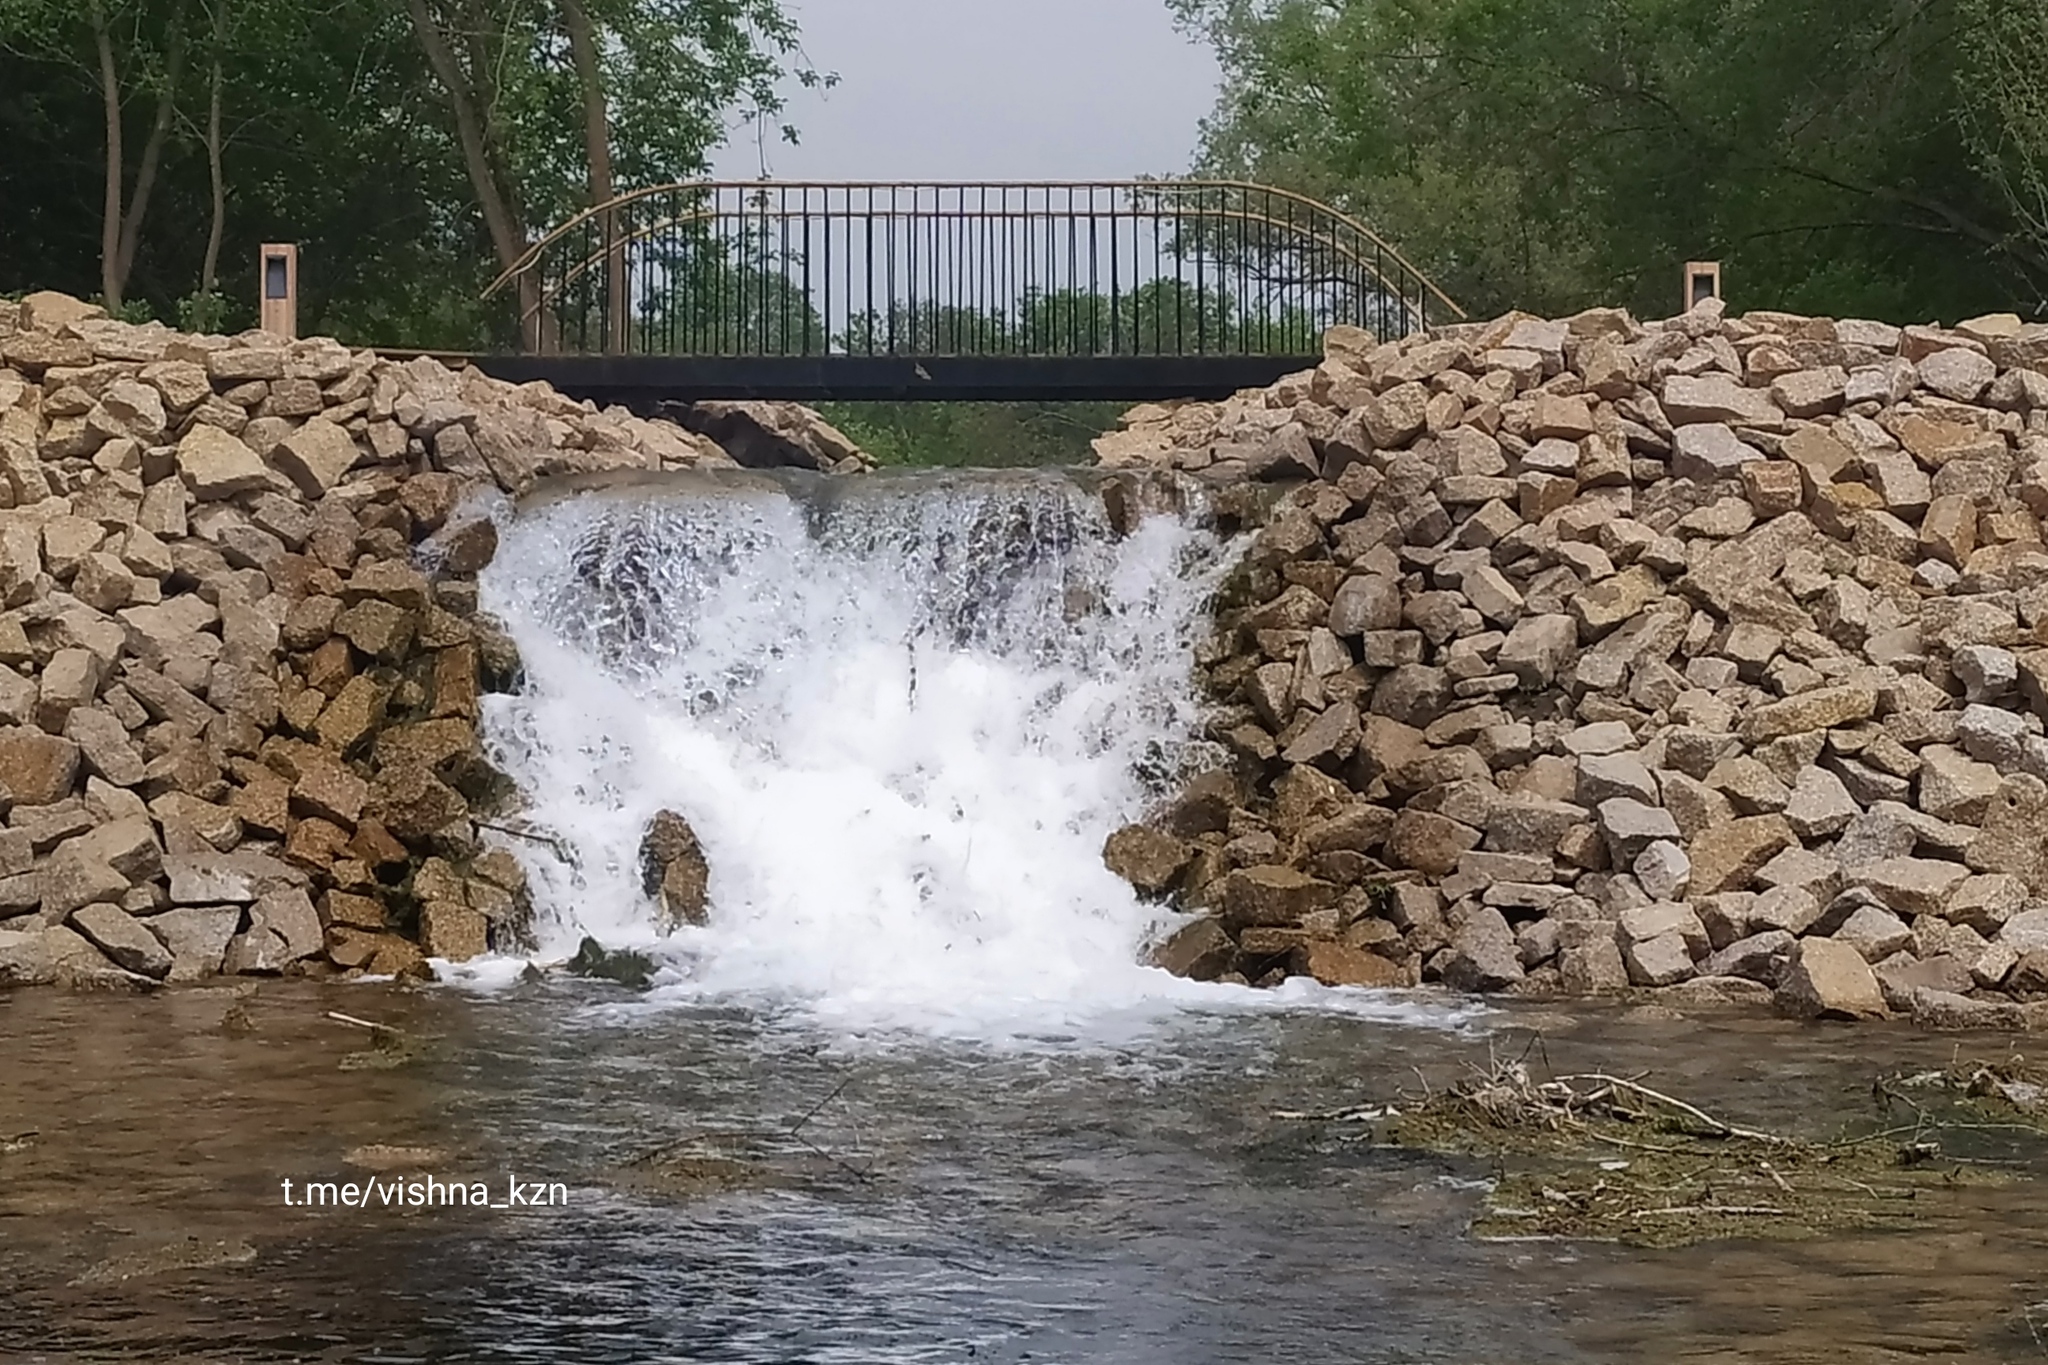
x=642 y=381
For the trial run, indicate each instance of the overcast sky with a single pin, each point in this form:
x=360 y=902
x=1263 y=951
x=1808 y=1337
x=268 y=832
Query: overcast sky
x=990 y=90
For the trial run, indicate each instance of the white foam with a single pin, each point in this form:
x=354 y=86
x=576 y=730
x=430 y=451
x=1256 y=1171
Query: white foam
x=902 y=715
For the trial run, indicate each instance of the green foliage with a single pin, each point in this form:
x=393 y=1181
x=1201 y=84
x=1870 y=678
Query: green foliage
x=338 y=135
x=2005 y=108
x=206 y=313
x=977 y=435
x=132 y=310
x=1551 y=156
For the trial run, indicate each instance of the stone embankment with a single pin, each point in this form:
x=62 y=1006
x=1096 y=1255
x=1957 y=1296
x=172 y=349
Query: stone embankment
x=241 y=645
x=1706 y=658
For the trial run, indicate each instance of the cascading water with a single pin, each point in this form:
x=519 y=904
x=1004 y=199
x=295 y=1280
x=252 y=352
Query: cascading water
x=902 y=714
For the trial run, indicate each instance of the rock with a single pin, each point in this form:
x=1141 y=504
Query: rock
x=1901 y=974
x=123 y=938
x=1603 y=776
x=1985 y=903
x=127 y=844
x=1272 y=896
x=1663 y=870
x=1913 y=886
x=1758 y=957
x=1726 y=857
x=1821 y=709
x=1875 y=933
x=197 y=938
x=352 y=716
x=1954 y=787
x=1537 y=649
x=214 y=464
x=1429 y=842
x=1151 y=861
x=674 y=872
x=1592 y=967
x=220 y=878
x=1819 y=805
x=771 y=435
x=1483 y=955
x=1337 y=964
x=315 y=457
x=258 y=951
x=73 y=879
x=328 y=790
x=37 y=768
x=1204 y=805
x=60 y=956
x=1365 y=602
x=1957 y=373
x=412 y=803
x=453 y=933
x=1328 y=740
x=1630 y=826
x=1199 y=950
x=1662 y=918
x=1948 y=1011
x=288 y=914
x=1660 y=961
x=2026 y=932
x=1825 y=979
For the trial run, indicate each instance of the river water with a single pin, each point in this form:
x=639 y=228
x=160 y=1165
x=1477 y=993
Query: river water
x=897 y=1199
x=910 y=1096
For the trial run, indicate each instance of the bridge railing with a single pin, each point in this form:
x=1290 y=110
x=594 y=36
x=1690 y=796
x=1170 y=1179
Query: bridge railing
x=1161 y=268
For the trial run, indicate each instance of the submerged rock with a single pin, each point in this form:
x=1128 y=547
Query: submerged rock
x=673 y=871
x=635 y=971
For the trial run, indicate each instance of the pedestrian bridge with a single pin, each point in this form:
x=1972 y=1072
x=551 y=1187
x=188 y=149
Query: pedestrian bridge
x=814 y=291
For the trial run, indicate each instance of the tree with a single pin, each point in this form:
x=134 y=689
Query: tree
x=649 y=81
x=1550 y=156
x=2004 y=90
x=120 y=48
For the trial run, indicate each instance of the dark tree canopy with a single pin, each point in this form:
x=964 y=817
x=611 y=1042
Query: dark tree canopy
x=1881 y=158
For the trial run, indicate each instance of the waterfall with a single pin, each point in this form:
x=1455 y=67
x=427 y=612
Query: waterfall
x=902 y=713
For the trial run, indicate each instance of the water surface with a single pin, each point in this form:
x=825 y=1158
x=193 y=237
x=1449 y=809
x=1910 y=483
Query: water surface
x=903 y=1199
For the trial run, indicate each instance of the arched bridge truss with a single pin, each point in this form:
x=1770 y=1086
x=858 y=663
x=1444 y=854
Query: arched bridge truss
x=1133 y=290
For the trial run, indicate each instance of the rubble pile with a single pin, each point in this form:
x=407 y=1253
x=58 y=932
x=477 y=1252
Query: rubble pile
x=1706 y=657
x=240 y=650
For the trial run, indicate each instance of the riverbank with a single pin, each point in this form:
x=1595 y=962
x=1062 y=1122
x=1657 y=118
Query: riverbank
x=1701 y=658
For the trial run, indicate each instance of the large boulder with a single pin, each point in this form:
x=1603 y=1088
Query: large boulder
x=673 y=871
x=1825 y=979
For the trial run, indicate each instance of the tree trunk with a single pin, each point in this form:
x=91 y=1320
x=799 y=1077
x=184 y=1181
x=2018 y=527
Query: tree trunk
x=501 y=215
x=110 y=210
x=153 y=149
x=597 y=143
x=209 y=268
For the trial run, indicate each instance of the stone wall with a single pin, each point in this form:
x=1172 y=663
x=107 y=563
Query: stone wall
x=241 y=646
x=1706 y=657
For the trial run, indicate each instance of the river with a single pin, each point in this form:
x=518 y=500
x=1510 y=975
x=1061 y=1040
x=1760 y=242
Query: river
x=890 y=1198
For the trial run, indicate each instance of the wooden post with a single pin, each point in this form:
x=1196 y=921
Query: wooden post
x=1702 y=282
x=277 y=289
